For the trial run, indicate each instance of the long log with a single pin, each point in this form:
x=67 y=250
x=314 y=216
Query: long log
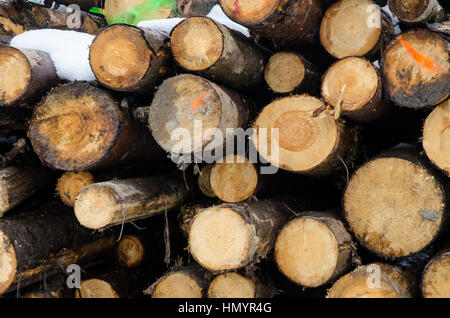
x=435 y=137
x=301 y=137
x=204 y=46
x=375 y=280
x=283 y=21
x=231 y=236
x=184 y=102
x=395 y=204
x=78 y=127
x=183 y=282
x=416 y=69
x=355 y=85
x=26 y=76
x=17 y=17
x=313 y=249
x=435 y=282
x=355 y=28
x=289 y=72
x=419 y=11
x=45 y=238
x=114 y=202
x=128 y=59
x=18 y=184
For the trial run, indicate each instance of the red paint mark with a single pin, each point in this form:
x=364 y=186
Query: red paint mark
x=236 y=7
x=429 y=64
x=196 y=104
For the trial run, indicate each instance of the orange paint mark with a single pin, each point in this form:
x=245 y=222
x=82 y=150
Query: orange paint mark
x=429 y=64
x=196 y=104
x=236 y=7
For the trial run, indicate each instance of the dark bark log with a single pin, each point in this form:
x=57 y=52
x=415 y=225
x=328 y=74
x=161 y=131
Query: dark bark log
x=204 y=46
x=80 y=127
x=190 y=8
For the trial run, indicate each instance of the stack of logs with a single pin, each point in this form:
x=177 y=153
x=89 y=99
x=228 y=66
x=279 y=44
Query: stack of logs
x=349 y=198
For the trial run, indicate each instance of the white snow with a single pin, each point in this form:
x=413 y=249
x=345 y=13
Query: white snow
x=69 y=51
x=394 y=19
x=216 y=13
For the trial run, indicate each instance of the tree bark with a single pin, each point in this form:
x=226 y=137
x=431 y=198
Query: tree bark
x=27 y=75
x=190 y=8
x=19 y=16
x=129 y=59
x=204 y=46
x=360 y=100
x=80 y=127
x=115 y=202
x=18 y=184
x=252 y=228
x=282 y=21
x=28 y=247
x=386 y=191
x=420 y=11
x=313 y=249
x=309 y=140
x=416 y=69
x=393 y=283
x=289 y=73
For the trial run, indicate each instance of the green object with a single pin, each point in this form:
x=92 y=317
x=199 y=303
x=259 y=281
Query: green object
x=96 y=10
x=144 y=11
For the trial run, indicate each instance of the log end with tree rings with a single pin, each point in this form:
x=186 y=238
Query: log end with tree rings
x=248 y=12
x=178 y=102
x=71 y=183
x=121 y=57
x=221 y=239
x=79 y=123
x=312 y=250
x=436 y=136
x=8 y=263
x=235 y=179
x=197 y=43
x=415 y=11
x=96 y=288
x=435 y=278
x=351 y=28
x=130 y=251
x=232 y=285
x=356 y=84
x=373 y=281
x=178 y=284
x=307 y=137
x=394 y=206
x=416 y=69
x=284 y=72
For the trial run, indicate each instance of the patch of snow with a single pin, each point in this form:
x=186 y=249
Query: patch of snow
x=69 y=51
x=163 y=25
x=394 y=19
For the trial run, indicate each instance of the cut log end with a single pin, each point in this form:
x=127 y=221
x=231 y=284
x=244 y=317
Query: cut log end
x=96 y=206
x=305 y=140
x=435 y=280
x=232 y=285
x=15 y=76
x=416 y=69
x=410 y=10
x=179 y=103
x=248 y=12
x=436 y=136
x=197 y=43
x=394 y=206
x=284 y=72
x=177 y=285
x=307 y=252
x=79 y=123
x=360 y=79
x=220 y=239
x=351 y=28
x=120 y=56
x=8 y=263
x=130 y=251
x=71 y=183
x=234 y=180
x=96 y=288
x=391 y=283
